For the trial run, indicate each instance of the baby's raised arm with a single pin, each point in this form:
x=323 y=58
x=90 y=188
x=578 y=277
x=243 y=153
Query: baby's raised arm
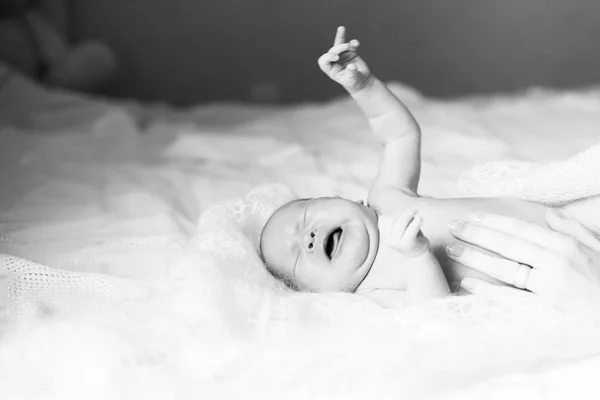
x=391 y=121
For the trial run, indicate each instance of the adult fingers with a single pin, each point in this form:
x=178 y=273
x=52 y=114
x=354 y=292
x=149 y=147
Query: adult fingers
x=340 y=35
x=482 y=288
x=517 y=227
x=506 y=244
x=499 y=268
x=568 y=226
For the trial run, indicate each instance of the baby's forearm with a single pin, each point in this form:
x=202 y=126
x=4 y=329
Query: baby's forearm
x=425 y=279
x=389 y=118
x=398 y=131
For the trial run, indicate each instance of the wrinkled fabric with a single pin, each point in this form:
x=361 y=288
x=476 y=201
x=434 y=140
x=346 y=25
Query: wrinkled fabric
x=130 y=268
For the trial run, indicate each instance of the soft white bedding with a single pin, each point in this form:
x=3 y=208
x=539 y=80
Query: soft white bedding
x=118 y=190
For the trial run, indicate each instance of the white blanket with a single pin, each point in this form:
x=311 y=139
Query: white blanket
x=118 y=198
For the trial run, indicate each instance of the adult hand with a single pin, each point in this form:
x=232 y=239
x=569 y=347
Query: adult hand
x=561 y=265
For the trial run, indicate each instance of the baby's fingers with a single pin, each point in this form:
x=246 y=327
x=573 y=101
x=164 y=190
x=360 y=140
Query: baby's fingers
x=413 y=242
x=354 y=44
x=397 y=224
x=351 y=67
x=392 y=227
x=340 y=35
x=327 y=59
x=414 y=227
x=339 y=48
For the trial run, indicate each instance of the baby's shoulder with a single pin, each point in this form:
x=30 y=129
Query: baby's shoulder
x=391 y=200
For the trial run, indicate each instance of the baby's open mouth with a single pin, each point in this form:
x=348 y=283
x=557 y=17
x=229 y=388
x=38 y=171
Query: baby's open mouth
x=332 y=242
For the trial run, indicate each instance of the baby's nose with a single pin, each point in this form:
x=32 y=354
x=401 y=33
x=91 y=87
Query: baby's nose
x=309 y=241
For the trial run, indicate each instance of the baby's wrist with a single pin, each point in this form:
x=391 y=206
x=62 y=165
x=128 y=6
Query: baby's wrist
x=421 y=248
x=363 y=90
x=417 y=253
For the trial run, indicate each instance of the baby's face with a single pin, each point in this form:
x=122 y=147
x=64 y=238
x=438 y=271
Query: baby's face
x=322 y=245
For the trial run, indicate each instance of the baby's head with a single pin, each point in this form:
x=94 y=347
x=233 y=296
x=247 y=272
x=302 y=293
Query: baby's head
x=324 y=244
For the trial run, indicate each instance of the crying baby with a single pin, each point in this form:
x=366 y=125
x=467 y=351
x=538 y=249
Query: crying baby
x=395 y=247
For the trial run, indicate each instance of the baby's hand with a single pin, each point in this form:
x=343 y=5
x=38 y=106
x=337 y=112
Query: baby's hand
x=343 y=65
x=403 y=232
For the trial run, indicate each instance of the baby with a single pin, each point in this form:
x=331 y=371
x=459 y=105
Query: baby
x=393 y=249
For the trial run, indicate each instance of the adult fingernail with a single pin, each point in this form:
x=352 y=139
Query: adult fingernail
x=468 y=283
x=456 y=225
x=454 y=250
x=477 y=217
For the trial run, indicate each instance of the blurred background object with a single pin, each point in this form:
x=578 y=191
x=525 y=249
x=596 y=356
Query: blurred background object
x=188 y=51
x=35 y=40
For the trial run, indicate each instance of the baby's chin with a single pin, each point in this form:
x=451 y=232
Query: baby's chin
x=368 y=258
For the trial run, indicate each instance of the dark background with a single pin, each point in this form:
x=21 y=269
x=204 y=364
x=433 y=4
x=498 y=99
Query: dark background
x=188 y=51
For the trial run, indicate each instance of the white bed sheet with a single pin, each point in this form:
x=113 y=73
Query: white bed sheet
x=117 y=188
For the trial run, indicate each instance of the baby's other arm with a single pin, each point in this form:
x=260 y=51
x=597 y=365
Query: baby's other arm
x=425 y=279
x=424 y=276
